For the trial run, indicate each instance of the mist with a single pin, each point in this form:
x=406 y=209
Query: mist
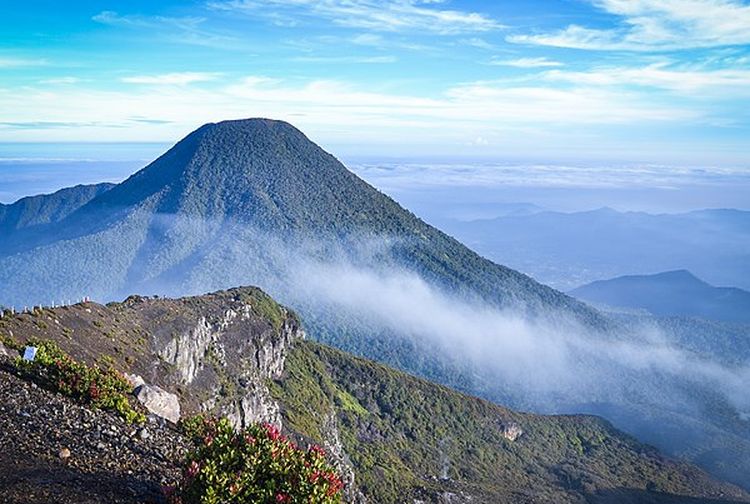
x=549 y=356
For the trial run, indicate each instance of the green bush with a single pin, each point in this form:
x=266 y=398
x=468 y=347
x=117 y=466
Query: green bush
x=257 y=464
x=100 y=386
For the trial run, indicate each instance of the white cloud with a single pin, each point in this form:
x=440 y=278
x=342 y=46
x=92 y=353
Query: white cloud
x=346 y=59
x=411 y=176
x=511 y=117
x=115 y=19
x=185 y=30
x=477 y=42
x=173 y=79
x=9 y=62
x=336 y=102
x=656 y=25
x=388 y=15
x=727 y=82
x=526 y=62
x=61 y=80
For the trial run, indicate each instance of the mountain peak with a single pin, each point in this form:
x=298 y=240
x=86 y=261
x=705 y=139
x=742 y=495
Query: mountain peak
x=262 y=165
x=251 y=122
x=679 y=274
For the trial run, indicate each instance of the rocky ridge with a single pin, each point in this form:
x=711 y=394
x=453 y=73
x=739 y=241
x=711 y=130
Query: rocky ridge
x=394 y=438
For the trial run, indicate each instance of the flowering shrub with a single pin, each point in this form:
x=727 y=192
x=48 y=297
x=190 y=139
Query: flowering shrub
x=101 y=387
x=257 y=464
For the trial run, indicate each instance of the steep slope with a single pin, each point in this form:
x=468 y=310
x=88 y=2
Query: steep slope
x=396 y=438
x=677 y=293
x=109 y=463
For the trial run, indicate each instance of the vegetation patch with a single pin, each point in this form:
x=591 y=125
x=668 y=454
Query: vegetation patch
x=257 y=464
x=264 y=306
x=100 y=386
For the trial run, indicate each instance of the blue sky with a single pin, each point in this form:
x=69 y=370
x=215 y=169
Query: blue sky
x=663 y=81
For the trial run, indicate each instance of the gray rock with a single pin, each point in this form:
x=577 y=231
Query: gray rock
x=135 y=380
x=512 y=431
x=159 y=402
x=187 y=351
x=3 y=351
x=143 y=434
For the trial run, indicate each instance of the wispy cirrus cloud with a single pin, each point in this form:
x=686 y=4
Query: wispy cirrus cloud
x=139 y=21
x=477 y=42
x=708 y=82
x=347 y=59
x=388 y=15
x=185 y=29
x=13 y=62
x=526 y=62
x=172 y=79
x=61 y=80
x=344 y=107
x=648 y=25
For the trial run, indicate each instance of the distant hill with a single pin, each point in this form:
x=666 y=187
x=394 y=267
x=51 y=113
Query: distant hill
x=566 y=250
x=671 y=293
x=394 y=438
x=46 y=208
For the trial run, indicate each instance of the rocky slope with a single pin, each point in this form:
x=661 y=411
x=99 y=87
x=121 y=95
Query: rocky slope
x=395 y=438
x=55 y=450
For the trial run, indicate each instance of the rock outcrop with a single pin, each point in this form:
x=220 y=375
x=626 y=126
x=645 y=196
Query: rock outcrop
x=159 y=402
x=512 y=431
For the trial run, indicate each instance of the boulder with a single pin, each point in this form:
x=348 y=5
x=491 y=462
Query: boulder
x=135 y=380
x=159 y=402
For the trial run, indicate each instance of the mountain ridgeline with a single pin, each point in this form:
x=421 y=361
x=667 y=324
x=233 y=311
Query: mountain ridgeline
x=672 y=293
x=35 y=211
x=254 y=202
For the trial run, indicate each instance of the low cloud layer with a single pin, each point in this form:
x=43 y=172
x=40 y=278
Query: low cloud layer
x=549 y=357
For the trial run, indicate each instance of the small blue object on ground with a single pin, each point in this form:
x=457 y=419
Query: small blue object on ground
x=29 y=353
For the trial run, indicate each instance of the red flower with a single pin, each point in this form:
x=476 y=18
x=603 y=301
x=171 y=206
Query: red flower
x=94 y=392
x=192 y=470
x=317 y=450
x=282 y=497
x=273 y=431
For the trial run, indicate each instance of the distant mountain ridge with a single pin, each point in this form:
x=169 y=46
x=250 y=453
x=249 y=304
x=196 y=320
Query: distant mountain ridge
x=47 y=208
x=567 y=250
x=670 y=293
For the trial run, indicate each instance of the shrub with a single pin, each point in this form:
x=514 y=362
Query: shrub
x=257 y=464
x=100 y=386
